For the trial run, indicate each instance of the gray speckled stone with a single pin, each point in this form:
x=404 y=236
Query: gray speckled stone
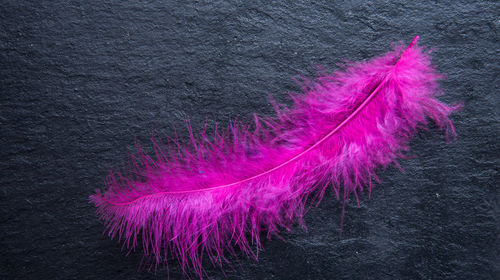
x=80 y=80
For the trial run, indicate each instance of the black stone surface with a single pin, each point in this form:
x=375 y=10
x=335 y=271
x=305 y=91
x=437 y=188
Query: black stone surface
x=80 y=80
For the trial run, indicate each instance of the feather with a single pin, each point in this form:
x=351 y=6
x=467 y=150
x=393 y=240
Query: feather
x=218 y=194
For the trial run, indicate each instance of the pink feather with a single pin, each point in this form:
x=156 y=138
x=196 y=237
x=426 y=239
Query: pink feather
x=221 y=192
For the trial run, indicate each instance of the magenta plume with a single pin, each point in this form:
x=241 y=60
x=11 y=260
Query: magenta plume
x=218 y=194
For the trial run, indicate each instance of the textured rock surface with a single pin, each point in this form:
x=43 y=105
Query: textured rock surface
x=81 y=79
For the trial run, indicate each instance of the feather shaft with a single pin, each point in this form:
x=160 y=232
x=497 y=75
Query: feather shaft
x=333 y=131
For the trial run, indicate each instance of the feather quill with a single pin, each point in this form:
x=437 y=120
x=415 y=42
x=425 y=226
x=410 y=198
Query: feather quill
x=221 y=192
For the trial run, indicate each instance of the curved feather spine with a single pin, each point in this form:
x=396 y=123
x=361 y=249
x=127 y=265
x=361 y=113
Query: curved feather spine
x=333 y=131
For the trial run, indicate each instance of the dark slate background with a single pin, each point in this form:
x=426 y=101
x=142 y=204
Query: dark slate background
x=81 y=79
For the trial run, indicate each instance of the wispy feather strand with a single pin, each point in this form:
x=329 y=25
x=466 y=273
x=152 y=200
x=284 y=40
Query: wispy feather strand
x=221 y=192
